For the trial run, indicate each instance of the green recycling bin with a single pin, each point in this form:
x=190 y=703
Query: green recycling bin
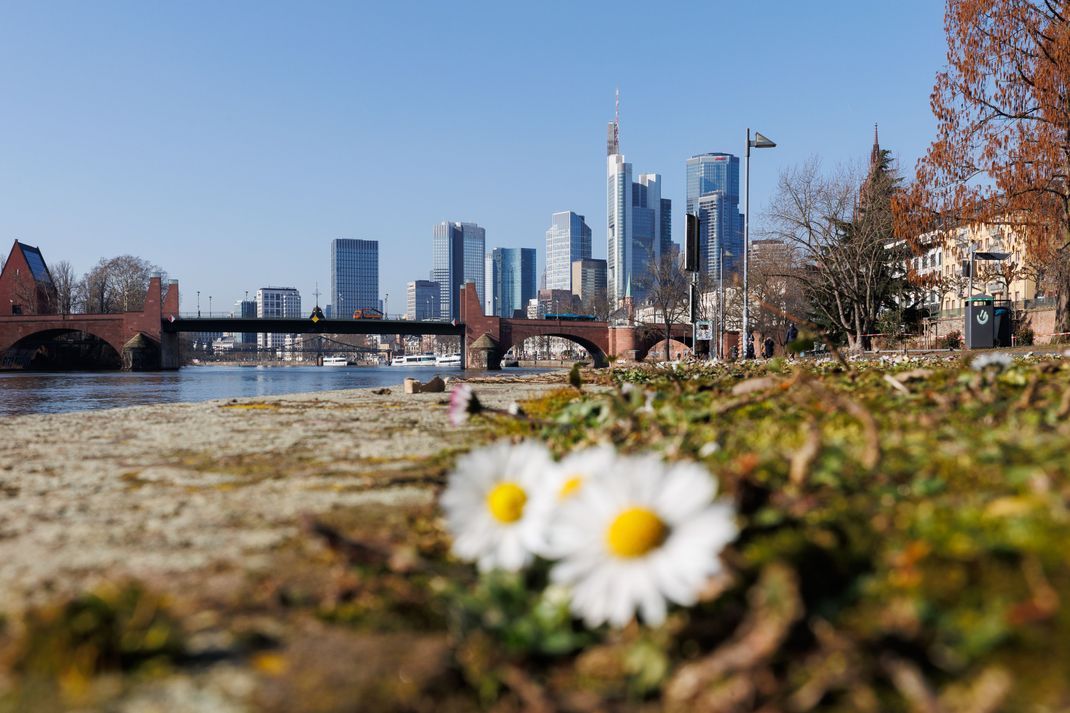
x=980 y=322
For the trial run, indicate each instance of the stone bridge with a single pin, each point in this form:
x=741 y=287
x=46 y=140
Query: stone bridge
x=488 y=338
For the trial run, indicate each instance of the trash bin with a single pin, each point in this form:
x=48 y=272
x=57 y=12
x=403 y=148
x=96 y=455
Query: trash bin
x=1003 y=325
x=980 y=321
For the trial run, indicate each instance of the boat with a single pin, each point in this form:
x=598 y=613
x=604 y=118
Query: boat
x=414 y=360
x=448 y=360
x=335 y=361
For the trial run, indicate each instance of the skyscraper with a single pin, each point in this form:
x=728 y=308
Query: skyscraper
x=422 y=300
x=589 y=283
x=354 y=275
x=513 y=280
x=567 y=240
x=721 y=223
x=639 y=222
x=458 y=254
x=275 y=303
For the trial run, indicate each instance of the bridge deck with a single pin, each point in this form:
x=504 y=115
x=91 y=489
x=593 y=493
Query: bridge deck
x=307 y=326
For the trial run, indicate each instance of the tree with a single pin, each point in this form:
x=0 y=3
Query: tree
x=1002 y=155
x=118 y=284
x=65 y=282
x=667 y=290
x=777 y=297
x=841 y=229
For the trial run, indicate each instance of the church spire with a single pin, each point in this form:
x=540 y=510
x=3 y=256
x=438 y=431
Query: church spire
x=875 y=155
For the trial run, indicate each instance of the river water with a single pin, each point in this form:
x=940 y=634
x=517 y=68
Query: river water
x=46 y=392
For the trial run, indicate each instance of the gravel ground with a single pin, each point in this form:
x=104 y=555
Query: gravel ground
x=155 y=491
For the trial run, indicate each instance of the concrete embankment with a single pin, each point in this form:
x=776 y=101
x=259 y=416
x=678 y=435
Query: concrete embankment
x=152 y=492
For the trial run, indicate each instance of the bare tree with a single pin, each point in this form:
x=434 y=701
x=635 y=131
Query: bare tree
x=777 y=296
x=840 y=226
x=118 y=284
x=667 y=293
x=65 y=282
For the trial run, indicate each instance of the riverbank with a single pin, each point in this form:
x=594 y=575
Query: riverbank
x=154 y=492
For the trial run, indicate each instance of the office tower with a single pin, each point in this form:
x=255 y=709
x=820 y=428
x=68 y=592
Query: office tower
x=648 y=244
x=639 y=222
x=246 y=309
x=458 y=257
x=513 y=281
x=423 y=300
x=589 y=283
x=717 y=218
x=721 y=223
x=567 y=240
x=354 y=276
x=276 y=303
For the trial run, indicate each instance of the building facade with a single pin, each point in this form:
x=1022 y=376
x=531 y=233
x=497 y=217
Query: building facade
x=458 y=257
x=638 y=226
x=589 y=283
x=713 y=195
x=423 y=300
x=276 y=303
x=245 y=309
x=512 y=282
x=354 y=275
x=567 y=240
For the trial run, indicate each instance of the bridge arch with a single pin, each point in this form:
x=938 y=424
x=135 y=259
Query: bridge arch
x=26 y=348
x=651 y=338
x=516 y=338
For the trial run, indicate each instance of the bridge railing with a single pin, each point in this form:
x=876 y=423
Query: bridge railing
x=204 y=314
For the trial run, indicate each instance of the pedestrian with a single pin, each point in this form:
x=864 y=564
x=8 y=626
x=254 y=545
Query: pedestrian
x=768 y=348
x=793 y=333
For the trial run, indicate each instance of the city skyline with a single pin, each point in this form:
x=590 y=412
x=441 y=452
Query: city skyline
x=157 y=151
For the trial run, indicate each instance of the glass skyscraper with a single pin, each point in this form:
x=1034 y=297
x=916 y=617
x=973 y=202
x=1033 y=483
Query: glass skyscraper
x=354 y=275
x=513 y=280
x=713 y=195
x=457 y=258
x=639 y=225
x=567 y=240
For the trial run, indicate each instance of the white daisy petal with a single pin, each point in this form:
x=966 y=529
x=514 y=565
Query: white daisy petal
x=487 y=504
x=642 y=534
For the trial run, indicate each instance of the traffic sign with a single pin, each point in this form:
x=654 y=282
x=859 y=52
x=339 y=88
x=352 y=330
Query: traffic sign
x=703 y=330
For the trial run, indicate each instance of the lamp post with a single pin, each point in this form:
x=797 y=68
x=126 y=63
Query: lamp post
x=198 y=303
x=758 y=142
x=386 y=305
x=209 y=306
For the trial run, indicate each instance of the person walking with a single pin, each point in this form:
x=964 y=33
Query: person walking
x=793 y=333
x=767 y=348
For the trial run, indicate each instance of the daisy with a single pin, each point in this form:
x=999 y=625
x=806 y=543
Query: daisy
x=487 y=504
x=564 y=482
x=646 y=533
x=463 y=403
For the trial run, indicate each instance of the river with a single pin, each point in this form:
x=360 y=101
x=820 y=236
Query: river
x=59 y=392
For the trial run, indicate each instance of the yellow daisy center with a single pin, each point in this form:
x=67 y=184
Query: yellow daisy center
x=506 y=502
x=635 y=532
x=570 y=487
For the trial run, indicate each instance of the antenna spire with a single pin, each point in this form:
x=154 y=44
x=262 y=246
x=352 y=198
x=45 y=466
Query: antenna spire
x=613 y=133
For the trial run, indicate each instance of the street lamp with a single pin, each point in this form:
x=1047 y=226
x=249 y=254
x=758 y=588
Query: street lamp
x=758 y=142
x=198 y=303
x=209 y=306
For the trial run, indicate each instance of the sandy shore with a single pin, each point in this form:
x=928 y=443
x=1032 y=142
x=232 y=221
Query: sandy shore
x=152 y=491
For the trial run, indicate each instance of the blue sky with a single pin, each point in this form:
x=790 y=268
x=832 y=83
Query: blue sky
x=229 y=142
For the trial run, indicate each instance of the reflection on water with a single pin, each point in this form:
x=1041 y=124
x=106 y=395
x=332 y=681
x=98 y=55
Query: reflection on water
x=42 y=392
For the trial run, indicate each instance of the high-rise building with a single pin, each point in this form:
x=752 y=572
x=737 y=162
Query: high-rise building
x=513 y=281
x=720 y=222
x=720 y=241
x=246 y=309
x=354 y=275
x=458 y=255
x=276 y=303
x=639 y=225
x=589 y=283
x=567 y=240
x=423 y=300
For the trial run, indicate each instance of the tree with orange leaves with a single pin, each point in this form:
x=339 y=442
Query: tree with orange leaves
x=1002 y=155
